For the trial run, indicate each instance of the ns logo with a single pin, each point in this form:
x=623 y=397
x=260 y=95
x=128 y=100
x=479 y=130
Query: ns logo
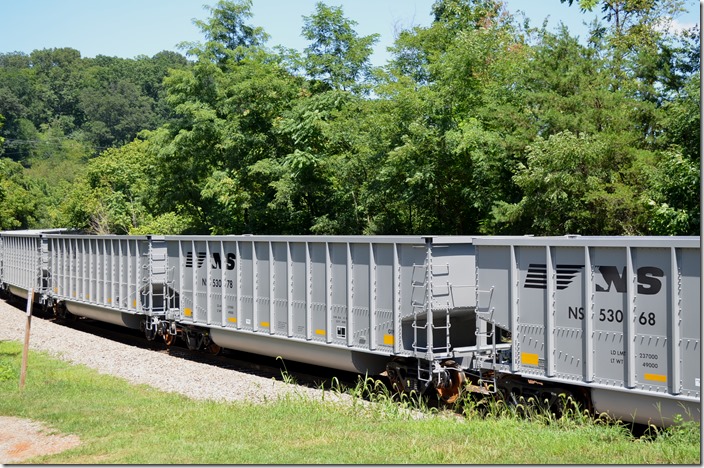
x=216 y=260
x=648 y=278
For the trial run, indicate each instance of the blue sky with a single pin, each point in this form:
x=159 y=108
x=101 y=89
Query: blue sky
x=127 y=28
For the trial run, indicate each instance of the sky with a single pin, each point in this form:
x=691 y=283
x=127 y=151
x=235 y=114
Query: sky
x=129 y=28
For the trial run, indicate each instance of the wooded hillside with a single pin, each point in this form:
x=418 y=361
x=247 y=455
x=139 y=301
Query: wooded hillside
x=478 y=124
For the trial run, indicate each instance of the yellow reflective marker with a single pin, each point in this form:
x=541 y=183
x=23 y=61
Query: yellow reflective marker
x=263 y=324
x=529 y=358
x=187 y=312
x=232 y=319
x=388 y=339
x=655 y=377
x=320 y=332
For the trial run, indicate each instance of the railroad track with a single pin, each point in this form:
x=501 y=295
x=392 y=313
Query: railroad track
x=253 y=364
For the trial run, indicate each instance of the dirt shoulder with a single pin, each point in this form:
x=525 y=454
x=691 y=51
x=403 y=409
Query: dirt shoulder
x=22 y=439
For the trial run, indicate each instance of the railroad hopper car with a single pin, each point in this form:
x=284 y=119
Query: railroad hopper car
x=349 y=303
x=24 y=262
x=613 y=322
x=617 y=316
x=115 y=279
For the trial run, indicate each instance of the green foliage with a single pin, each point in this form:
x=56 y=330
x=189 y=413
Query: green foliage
x=112 y=197
x=625 y=15
x=674 y=204
x=2 y=140
x=102 y=101
x=226 y=32
x=19 y=197
x=452 y=152
x=304 y=180
x=576 y=185
x=8 y=372
x=116 y=113
x=682 y=120
x=164 y=224
x=61 y=110
x=477 y=124
x=226 y=119
x=336 y=55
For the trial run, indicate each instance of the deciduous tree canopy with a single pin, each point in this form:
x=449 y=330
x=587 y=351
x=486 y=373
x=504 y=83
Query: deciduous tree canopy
x=477 y=125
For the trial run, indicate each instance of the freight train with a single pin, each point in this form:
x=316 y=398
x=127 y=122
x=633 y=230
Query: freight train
x=613 y=322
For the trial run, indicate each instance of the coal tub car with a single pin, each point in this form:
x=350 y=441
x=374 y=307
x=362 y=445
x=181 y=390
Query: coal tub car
x=612 y=321
x=24 y=262
x=617 y=317
x=349 y=303
x=114 y=279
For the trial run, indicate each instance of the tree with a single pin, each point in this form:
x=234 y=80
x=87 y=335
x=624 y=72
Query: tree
x=632 y=16
x=115 y=195
x=682 y=120
x=673 y=196
x=477 y=125
x=226 y=32
x=58 y=73
x=18 y=97
x=456 y=92
x=303 y=180
x=337 y=56
x=577 y=184
x=116 y=112
x=226 y=106
x=20 y=199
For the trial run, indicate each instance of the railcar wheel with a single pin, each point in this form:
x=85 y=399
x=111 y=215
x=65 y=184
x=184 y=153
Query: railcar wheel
x=150 y=334
x=396 y=372
x=60 y=312
x=194 y=339
x=214 y=349
x=169 y=339
x=452 y=389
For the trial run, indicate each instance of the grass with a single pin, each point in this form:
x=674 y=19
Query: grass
x=120 y=423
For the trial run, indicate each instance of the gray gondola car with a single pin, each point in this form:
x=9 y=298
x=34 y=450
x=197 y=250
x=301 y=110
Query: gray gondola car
x=343 y=302
x=24 y=262
x=115 y=279
x=612 y=321
x=620 y=316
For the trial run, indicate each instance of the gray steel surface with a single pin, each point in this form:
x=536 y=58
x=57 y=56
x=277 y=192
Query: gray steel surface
x=617 y=312
x=24 y=260
x=111 y=272
x=368 y=293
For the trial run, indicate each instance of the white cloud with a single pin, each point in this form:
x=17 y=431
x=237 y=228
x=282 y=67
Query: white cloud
x=673 y=26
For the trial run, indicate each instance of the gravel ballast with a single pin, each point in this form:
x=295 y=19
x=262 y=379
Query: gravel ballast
x=142 y=366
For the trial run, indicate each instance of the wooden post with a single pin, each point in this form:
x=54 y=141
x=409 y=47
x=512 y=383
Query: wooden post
x=25 y=349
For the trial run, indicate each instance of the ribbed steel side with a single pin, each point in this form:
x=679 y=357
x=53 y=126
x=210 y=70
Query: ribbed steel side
x=101 y=271
x=354 y=292
x=621 y=313
x=23 y=262
x=618 y=315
